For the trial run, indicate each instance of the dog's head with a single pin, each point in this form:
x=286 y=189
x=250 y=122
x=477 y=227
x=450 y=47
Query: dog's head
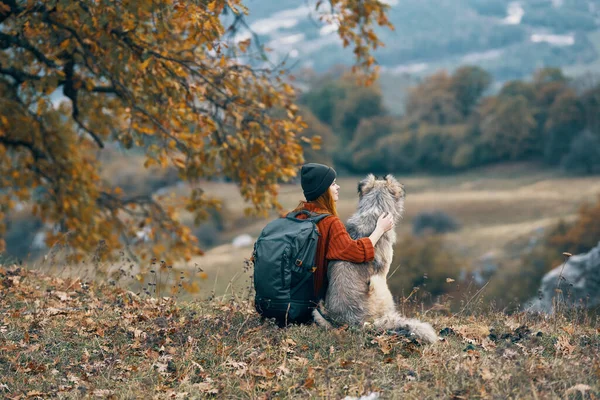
x=386 y=193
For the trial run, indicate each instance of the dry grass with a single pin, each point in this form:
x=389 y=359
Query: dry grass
x=72 y=339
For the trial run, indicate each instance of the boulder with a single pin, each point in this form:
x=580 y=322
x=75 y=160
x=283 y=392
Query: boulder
x=579 y=283
x=243 y=240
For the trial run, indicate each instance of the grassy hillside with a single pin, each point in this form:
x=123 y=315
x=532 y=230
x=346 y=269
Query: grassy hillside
x=72 y=339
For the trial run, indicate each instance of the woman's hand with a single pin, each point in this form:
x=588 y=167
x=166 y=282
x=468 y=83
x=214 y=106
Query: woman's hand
x=385 y=222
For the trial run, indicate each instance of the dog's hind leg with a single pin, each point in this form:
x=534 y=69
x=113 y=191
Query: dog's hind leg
x=319 y=319
x=422 y=330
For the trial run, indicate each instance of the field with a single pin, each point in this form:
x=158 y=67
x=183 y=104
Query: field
x=498 y=208
x=63 y=338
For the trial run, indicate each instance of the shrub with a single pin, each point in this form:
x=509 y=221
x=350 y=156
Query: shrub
x=423 y=262
x=584 y=156
x=579 y=237
x=434 y=222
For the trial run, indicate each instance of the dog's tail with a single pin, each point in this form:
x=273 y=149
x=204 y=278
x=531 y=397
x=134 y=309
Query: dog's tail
x=422 y=330
x=319 y=317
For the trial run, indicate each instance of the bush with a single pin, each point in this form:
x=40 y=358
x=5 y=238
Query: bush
x=584 y=156
x=579 y=237
x=434 y=222
x=423 y=262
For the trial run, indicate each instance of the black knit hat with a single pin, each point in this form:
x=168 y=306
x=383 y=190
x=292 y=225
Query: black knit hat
x=316 y=179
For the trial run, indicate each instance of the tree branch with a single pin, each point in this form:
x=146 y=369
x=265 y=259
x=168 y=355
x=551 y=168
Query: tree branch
x=37 y=154
x=21 y=42
x=71 y=92
x=104 y=89
x=18 y=75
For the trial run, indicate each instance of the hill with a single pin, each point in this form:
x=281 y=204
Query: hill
x=509 y=39
x=74 y=339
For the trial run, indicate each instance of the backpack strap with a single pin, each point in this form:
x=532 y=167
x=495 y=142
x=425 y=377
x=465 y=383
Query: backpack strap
x=312 y=216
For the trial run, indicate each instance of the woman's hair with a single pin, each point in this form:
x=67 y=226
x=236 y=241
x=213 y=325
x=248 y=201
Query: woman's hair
x=324 y=201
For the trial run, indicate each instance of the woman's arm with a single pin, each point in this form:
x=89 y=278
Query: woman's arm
x=342 y=247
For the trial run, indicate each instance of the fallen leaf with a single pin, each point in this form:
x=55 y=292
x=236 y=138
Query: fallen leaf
x=486 y=375
x=300 y=361
x=240 y=367
x=62 y=296
x=345 y=363
x=206 y=387
x=564 y=346
x=282 y=370
x=509 y=353
x=261 y=372
x=472 y=331
x=102 y=392
x=384 y=345
x=580 y=387
x=52 y=311
x=309 y=383
x=569 y=329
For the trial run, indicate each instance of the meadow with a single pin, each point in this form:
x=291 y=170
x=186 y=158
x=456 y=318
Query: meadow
x=499 y=209
x=68 y=339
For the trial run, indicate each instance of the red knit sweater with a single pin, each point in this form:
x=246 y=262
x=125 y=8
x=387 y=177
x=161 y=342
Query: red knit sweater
x=336 y=244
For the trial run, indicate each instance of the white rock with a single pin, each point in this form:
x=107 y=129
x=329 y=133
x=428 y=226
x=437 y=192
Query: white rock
x=243 y=240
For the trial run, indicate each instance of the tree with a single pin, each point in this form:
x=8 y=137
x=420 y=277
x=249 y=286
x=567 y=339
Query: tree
x=584 y=156
x=167 y=77
x=468 y=84
x=322 y=100
x=359 y=103
x=590 y=101
x=548 y=75
x=508 y=127
x=360 y=154
x=434 y=101
x=565 y=121
x=518 y=88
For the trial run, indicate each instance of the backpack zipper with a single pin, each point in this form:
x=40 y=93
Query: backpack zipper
x=283 y=262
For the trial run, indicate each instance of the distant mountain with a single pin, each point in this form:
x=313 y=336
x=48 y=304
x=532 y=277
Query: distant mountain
x=509 y=39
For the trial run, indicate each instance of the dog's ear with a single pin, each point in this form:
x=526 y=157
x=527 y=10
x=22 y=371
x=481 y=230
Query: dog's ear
x=394 y=186
x=366 y=185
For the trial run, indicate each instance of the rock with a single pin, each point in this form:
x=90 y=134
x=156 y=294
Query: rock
x=579 y=283
x=244 y=240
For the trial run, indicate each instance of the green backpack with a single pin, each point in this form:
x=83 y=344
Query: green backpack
x=284 y=266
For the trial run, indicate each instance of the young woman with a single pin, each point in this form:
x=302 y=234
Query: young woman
x=321 y=192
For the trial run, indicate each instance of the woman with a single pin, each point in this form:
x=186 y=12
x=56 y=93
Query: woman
x=321 y=191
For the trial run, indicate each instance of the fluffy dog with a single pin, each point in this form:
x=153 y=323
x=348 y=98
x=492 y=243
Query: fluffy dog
x=358 y=293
